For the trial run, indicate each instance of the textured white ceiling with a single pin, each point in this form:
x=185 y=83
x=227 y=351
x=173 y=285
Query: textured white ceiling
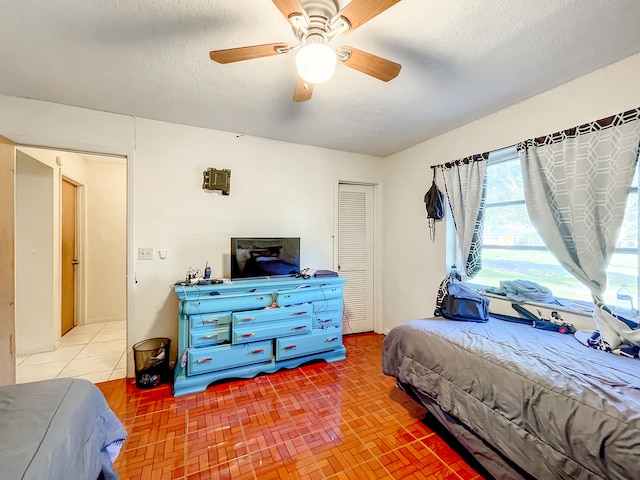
x=461 y=60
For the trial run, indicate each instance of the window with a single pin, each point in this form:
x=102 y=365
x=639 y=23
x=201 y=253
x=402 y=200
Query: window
x=512 y=249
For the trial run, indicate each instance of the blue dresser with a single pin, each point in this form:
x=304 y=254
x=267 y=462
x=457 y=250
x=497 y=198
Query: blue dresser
x=247 y=327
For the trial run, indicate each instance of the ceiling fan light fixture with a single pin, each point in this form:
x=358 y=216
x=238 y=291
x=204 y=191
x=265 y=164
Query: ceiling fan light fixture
x=316 y=62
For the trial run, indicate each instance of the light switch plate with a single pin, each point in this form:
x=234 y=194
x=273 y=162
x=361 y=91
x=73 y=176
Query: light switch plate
x=145 y=253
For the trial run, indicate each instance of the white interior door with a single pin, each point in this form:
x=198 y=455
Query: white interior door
x=355 y=255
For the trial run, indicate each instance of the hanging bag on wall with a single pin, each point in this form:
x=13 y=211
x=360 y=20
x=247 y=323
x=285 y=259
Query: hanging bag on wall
x=434 y=203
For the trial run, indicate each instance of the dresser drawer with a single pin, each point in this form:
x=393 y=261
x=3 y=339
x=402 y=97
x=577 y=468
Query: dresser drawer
x=220 y=303
x=209 y=335
x=271 y=315
x=307 y=344
x=209 y=319
x=307 y=294
x=331 y=318
x=209 y=359
x=252 y=333
x=326 y=305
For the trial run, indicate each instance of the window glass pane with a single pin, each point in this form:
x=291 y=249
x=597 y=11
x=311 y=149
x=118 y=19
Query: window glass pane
x=504 y=182
x=534 y=265
x=510 y=226
x=629 y=232
x=623 y=270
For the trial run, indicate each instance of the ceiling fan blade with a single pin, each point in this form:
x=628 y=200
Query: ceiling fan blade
x=361 y=11
x=289 y=7
x=245 y=53
x=377 y=67
x=303 y=91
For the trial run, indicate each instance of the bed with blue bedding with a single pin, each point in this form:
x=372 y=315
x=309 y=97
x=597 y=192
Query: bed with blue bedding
x=527 y=403
x=265 y=265
x=57 y=429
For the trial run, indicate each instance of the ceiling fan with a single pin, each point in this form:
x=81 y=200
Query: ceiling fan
x=315 y=24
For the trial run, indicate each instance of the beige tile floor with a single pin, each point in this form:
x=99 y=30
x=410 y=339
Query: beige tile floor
x=96 y=352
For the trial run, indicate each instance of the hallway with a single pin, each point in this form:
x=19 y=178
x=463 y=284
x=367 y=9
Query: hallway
x=96 y=352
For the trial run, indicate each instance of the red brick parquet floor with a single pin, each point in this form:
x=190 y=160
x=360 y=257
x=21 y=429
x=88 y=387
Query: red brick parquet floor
x=338 y=421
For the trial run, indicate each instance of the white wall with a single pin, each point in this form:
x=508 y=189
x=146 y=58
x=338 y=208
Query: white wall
x=34 y=257
x=277 y=189
x=106 y=240
x=415 y=264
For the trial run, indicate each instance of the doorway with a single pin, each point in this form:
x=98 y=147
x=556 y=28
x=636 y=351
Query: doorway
x=356 y=255
x=87 y=275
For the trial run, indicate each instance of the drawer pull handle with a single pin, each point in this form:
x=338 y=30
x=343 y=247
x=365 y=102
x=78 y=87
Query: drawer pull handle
x=248 y=335
x=210 y=336
x=290 y=347
x=260 y=298
x=326 y=320
x=300 y=313
x=204 y=360
x=299 y=327
x=248 y=319
x=332 y=339
x=257 y=351
x=211 y=320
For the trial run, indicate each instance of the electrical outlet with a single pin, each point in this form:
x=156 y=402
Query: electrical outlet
x=145 y=254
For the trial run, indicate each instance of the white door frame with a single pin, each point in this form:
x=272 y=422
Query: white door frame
x=377 y=241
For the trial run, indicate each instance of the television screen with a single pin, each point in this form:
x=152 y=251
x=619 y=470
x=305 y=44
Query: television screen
x=264 y=257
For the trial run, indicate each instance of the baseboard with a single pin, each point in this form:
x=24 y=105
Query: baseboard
x=104 y=320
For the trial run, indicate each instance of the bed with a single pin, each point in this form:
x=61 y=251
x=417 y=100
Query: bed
x=57 y=429
x=261 y=265
x=526 y=403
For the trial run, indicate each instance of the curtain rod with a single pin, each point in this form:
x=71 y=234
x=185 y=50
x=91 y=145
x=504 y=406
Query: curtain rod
x=477 y=157
x=612 y=120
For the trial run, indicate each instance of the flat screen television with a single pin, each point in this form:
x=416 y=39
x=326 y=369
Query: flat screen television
x=264 y=257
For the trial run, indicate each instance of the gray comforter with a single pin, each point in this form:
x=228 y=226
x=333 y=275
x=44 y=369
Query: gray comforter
x=56 y=429
x=551 y=405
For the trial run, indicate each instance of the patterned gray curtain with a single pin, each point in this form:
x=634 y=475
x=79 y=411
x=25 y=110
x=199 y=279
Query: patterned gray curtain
x=576 y=185
x=464 y=182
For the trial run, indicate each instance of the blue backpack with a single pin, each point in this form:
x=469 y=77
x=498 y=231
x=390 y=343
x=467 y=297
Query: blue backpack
x=464 y=303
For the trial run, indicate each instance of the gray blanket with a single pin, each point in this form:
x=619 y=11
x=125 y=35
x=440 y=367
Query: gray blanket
x=56 y=429
x=548 y=403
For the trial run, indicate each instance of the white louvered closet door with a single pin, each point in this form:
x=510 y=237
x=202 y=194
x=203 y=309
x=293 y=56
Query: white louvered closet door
x=355 y=255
